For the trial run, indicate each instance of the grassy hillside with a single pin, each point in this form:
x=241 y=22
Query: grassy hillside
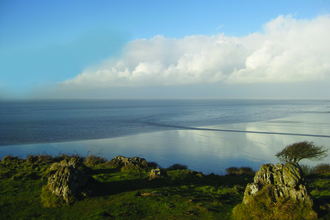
x=127 y=193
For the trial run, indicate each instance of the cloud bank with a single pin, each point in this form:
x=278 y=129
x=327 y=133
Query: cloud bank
x=289 y=50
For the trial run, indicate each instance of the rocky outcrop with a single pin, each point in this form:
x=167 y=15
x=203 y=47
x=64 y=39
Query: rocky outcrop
x=278 y=192
x=68 y=181
x=128 y=161
x=157 y=174
x=285 y=181
x=72 y=162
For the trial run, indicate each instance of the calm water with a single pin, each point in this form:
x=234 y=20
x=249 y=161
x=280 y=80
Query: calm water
x=207 y=135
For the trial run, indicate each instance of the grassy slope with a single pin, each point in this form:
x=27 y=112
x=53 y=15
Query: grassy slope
x=121 y=195
x=129 y=194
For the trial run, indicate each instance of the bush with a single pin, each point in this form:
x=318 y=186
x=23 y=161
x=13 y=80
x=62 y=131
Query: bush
x=153 y=165
x=41 y=158
x=245 y=171
x=46 y=158
x=178 y=166
x=306 y=169
x=10 y=159
x=60 y=157
x=232 y=170
x=31 y=159
x=321 y=168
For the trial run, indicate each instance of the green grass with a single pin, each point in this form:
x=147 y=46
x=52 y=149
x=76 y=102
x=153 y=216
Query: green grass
x=319 y=184
x=126 y=194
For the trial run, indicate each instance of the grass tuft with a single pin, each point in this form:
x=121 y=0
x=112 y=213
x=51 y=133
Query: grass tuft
x=93 y=160
x=49 y=200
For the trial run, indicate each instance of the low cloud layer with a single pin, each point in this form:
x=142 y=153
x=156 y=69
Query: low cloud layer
x=289 y=50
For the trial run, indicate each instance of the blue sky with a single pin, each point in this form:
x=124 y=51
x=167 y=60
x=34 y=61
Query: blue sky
x=166 y=49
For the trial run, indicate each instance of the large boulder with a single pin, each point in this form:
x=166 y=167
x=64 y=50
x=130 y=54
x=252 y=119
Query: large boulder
x=68 y=181
x=275 y=188
x=286 y=181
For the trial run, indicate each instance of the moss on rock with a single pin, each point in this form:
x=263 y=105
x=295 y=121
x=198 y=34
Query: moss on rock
x=275 y=187
x=69 y=181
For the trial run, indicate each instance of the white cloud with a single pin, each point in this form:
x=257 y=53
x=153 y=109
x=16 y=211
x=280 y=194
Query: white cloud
x=289 y=50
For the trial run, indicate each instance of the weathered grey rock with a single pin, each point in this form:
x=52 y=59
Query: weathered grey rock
x=72 y=162
x=128 y=161
x=68 y=181
x=157 y=174
x=285 y=181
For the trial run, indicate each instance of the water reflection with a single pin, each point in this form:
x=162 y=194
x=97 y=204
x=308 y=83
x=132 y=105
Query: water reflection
x=202 y=150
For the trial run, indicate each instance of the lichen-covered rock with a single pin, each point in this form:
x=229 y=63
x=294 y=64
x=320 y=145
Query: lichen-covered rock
x=157 y=174
x=287 y=181
x=276 y=188
x=68 y=181
x=72 y=162
x=292 y=175
x=128 y=161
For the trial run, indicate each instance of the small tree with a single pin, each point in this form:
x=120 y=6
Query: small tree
x=302 y=150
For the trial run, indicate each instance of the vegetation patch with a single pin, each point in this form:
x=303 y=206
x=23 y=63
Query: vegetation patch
x=245 y=171
x=178 y=166
x=263 y=207
x=127 y=193
x=93 y=160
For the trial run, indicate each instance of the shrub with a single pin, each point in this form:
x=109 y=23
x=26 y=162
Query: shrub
x=245 y=171
x=10 y=159
x=321 y=168
x=153 y=165
x=40 y=158
x=232 y=170
x=306 y=169
x=178 y=166
x=31 y=159
x=45 y=158
x=61 y=156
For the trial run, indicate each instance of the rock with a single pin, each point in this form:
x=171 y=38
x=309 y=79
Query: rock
x=72 y=162
x=151 y=194
x=128 y=161
x=278 y=192
x=286 y=181
x=68 y=181
x=157 y=174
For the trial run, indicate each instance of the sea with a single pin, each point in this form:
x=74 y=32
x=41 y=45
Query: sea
x=207 y=135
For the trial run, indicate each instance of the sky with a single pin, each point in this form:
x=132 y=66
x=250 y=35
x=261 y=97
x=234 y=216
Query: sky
x=164 y=49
